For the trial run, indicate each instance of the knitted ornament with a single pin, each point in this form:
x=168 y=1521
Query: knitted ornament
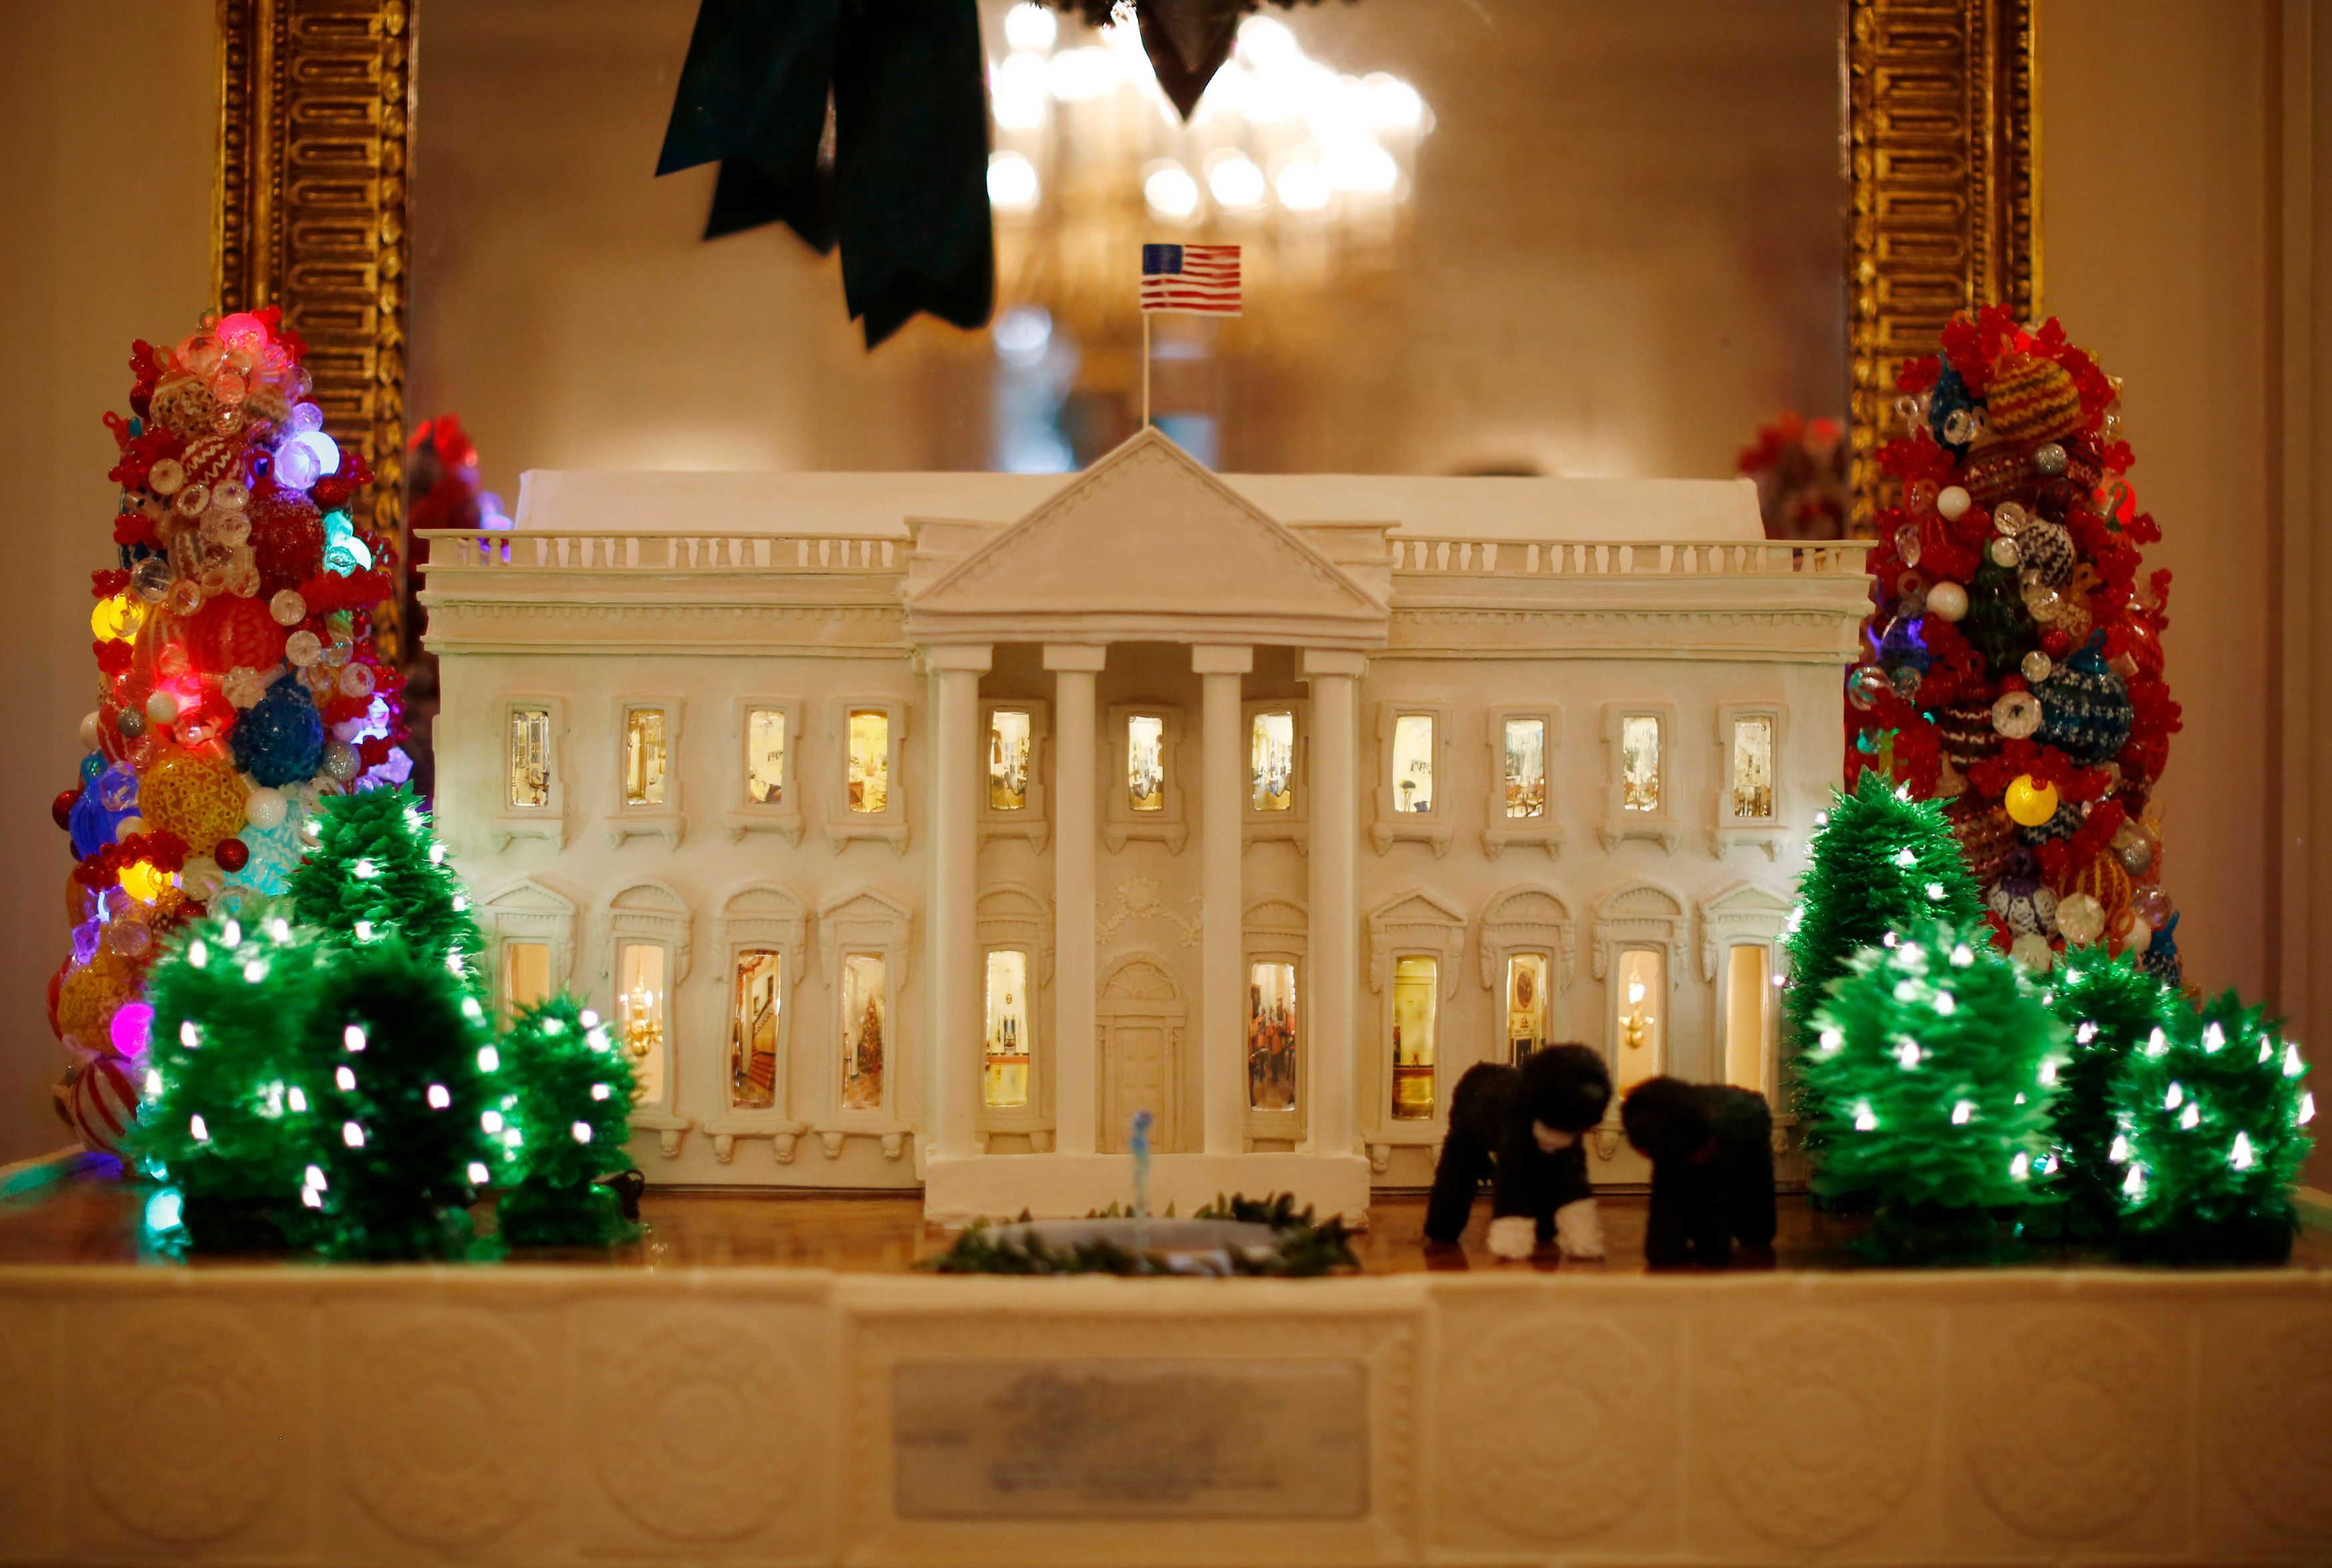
x=211 y=458
x=2033 y=399
x=91 y=993
x=231 y=634
x=1966 y=733
x=1995 y=624
x=2104 y=879
x=272 y=851
x=1998 y=470
x=1954 y=417
x=2085 y=708
x=1987 y=838
x=287 y=539
x=2024 y=902
x=2045 y=552
x=194 y=794
x=185 y=407
x=280 y=739
x=2063 y=825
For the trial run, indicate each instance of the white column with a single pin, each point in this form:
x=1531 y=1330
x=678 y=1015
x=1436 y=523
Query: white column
x=956 y=1009
x=1223 y=991
x=1334 y=941
x=1076 y=1068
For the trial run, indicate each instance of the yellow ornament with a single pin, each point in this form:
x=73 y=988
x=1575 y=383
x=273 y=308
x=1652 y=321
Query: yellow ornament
x=144 y=881
x=196 y=795
x=2029 y=804
x=91 y=995
x=117 y=619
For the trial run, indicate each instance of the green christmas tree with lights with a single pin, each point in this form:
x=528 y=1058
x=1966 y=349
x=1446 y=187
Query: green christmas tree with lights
x=569 y=1097
x=230 y=1121
x=410 y=1104
x=375 y=868
x=1880 y=864
x=2213 y=1112
x=1935 y=1061
x=2112 y=1007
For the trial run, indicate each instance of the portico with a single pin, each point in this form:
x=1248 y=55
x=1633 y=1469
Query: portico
x=1146 y=548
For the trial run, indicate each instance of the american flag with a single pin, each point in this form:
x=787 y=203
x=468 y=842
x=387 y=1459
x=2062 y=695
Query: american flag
x=1194 y=279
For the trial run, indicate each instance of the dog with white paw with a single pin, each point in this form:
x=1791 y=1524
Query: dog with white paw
x=1521 y=1127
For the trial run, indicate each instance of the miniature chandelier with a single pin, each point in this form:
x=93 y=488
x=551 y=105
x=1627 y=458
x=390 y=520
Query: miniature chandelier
x=1308 y=170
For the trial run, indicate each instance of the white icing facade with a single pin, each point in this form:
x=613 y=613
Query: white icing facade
x=927 y=826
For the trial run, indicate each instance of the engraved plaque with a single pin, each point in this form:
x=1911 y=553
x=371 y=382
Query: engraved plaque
x=1185 y=1438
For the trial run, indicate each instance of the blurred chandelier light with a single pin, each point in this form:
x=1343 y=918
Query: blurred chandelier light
x=1307 y=169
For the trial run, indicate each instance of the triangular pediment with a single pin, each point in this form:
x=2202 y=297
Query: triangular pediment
x=1146 y=543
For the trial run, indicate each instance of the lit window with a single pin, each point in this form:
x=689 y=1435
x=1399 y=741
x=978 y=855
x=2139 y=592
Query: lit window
x=1748 y=990
x=1271 y=1067
x=863 y=1049
x=1636 y=992
x=1525 y=767
x=1271 y=762
x=530 y=757
x=1753 y=767
x=526 y=974
x=640 y=1009
x=1412 y=766
x=1416 y=1012
x=643 y=756
x=1639 y=763
x=1004 y=1052
x=1008 y=760
x=765 y=756
x=753 y=1031
x=870 y=760
x=1145 y=762
x=1525 y=1005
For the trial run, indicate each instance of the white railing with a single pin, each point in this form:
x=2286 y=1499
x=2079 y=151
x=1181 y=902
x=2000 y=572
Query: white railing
x=1665 y=559
x=663 y=551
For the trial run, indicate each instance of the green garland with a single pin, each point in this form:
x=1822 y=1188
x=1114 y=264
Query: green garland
x=2112 y=1006
x=1306 y=1247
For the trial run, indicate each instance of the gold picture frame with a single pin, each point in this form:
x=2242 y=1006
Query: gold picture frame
x=316 y=99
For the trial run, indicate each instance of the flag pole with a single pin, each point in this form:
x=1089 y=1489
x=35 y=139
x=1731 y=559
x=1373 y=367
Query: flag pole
x=1145 y=370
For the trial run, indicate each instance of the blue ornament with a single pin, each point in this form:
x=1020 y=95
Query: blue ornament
x=280 y=739
x=1949 y=397
x=2160 y=958
x=91 y=765
x=2085 y=708
x=93 y=827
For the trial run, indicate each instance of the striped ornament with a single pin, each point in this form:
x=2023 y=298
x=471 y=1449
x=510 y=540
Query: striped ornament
x=102 y=1102
x=2033 y=400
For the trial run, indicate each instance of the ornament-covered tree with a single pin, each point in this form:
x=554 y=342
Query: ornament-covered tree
x=2112 y=1007
x=569 y=1093
x=2213 y=1110
x=410 y=1103
x=231 y=1123
x=1935 y=1060
x=2014 y=658
x=375 y=868
x=1880 y=864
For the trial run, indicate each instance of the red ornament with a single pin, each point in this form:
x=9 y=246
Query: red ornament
x=231 y=854
x=61 y=807
x=287 y=539
x=230 y=633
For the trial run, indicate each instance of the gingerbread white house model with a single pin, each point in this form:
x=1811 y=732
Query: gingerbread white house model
x=922 y=827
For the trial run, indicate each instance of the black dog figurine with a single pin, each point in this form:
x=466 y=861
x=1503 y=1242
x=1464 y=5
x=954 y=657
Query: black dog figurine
x=1521 y=1127
x=1712 y=1153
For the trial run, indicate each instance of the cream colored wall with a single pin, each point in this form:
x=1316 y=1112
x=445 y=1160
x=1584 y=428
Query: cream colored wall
x=107 y=133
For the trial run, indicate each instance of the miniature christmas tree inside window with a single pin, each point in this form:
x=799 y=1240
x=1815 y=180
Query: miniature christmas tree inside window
x=641 y=1008
x=1271 y=762
x=1271 y=1036
x=1526 y=752
x=1748 y=992
x=1416 y=1020
x=753 y=1012
x=643 y=756
x=1004 y=1069
x=1639 y=982
x=1640 y=762
x=1753 y=768
x=870 y=760
x=530 y=758
x=1412 y=764
x=526 y=975
x=1145 y=762
x=1008 y=760
x=863 y=1010
x=765 y=756
x=1525 y=1005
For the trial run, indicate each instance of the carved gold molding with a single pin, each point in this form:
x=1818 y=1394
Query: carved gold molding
x=315 y=124
x=1941 y=138
x=315 y=117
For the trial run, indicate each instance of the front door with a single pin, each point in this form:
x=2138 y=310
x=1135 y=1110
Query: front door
x=1140 y=1029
